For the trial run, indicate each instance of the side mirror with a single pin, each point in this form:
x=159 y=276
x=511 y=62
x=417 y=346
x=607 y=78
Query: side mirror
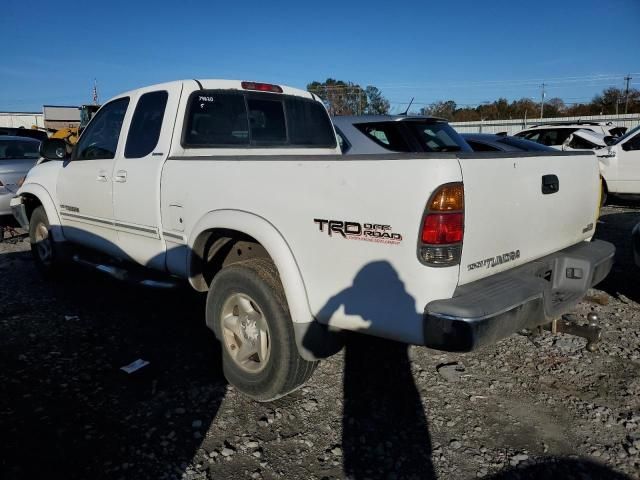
x=609 y=139
x=54 y=149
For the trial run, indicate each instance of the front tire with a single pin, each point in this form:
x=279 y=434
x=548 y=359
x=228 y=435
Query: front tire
x=42 y=245
x=247 y=310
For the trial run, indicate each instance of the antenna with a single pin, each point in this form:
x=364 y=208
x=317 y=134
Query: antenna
x=95 y=92
x=407 y=110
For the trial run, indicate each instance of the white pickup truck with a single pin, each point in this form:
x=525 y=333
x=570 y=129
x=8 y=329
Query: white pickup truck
x=620 y=165
x=239 y=188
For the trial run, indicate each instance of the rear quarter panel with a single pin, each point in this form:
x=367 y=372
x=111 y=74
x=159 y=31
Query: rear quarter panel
x=352 y=283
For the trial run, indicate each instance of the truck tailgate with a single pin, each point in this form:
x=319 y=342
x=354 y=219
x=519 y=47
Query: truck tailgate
x=510 y=221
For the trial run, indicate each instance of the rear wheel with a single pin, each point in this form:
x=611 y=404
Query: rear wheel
x=247 y=310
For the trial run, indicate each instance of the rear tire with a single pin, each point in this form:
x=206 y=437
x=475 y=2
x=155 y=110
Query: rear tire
x=42 y=244
x=247 y=310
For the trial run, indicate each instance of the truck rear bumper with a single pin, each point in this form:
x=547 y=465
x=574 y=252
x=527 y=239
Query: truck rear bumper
x=484 y=311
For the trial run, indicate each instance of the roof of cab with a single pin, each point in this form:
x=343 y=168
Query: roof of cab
x=213 y=83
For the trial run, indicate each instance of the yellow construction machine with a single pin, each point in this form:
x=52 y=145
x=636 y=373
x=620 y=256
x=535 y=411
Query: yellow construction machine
x=71 y=134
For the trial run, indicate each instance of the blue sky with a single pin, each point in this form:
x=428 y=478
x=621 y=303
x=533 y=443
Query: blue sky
x=468 y=51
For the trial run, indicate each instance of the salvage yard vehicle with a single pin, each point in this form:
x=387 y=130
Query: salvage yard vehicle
x=490 y=142
x=555 y=134
x=620 y=165
x=17 y=156
x=396 y=133
x=584 y=139
x=239 y=189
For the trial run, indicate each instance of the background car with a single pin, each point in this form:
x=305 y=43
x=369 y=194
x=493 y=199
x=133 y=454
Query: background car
x=556 y=134
x=17 y=156
x=396 y=133
x=23 y=132
x=490 y=142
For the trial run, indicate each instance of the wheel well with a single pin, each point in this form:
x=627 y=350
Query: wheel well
x=31 y=202
x=604 y=184
x=215 y=249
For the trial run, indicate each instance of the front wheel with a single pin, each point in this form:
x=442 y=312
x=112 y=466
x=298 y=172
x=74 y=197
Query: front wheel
x=42 y=246
x=247 y=310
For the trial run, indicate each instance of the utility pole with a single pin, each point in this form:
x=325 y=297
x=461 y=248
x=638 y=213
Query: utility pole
x=626 y=95
x=542 y=103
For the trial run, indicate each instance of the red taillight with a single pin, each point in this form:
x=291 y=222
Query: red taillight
x=262 y=87
x=442 y=232
x=443 y=228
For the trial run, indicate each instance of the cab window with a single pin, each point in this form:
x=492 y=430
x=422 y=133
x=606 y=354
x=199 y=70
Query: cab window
x=100 y=138
x=144 y=131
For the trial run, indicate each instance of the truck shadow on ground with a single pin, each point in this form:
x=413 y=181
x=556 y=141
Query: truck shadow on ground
x=67 y=410
x=384 y=426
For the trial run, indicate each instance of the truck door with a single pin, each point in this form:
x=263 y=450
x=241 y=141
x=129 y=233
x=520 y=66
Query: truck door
x=84 y=186
x=136 y=175
x=628 y=153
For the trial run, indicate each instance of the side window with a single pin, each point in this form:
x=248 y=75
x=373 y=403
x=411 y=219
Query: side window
x=534 y=136
x=634 y=143
x=548 y=137
x=266 y=121
x=564 y=133
x=100 y=138
x=216 y=119
x=144 y=131
x=580 y=143
x=386 y=135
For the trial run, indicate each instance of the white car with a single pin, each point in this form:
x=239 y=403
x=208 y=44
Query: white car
x=556 y=134
x=620 y=164
x=240 y=190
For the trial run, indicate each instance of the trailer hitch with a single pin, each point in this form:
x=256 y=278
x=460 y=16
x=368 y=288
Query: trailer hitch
x=591 y=332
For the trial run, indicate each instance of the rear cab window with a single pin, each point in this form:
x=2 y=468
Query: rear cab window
x=227 y=118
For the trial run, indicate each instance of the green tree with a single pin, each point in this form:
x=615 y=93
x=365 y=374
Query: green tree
x=376 y=103
x=440 y=109
x=341 y=98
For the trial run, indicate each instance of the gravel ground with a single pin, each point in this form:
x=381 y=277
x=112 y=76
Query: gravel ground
x=528 y=407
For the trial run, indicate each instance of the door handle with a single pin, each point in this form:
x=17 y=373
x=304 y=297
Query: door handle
x=121 y=176
x=102 y=177
x=550 y=184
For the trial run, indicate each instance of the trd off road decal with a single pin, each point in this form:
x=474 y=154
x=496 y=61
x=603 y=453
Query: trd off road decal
x=495 y=261
x=368 y=232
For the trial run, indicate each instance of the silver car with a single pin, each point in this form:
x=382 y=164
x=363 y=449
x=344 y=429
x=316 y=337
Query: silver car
x=396 y=133
x=17 y=156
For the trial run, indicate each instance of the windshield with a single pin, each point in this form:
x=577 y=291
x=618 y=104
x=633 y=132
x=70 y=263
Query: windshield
x=630 y=133
x=12 y=149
